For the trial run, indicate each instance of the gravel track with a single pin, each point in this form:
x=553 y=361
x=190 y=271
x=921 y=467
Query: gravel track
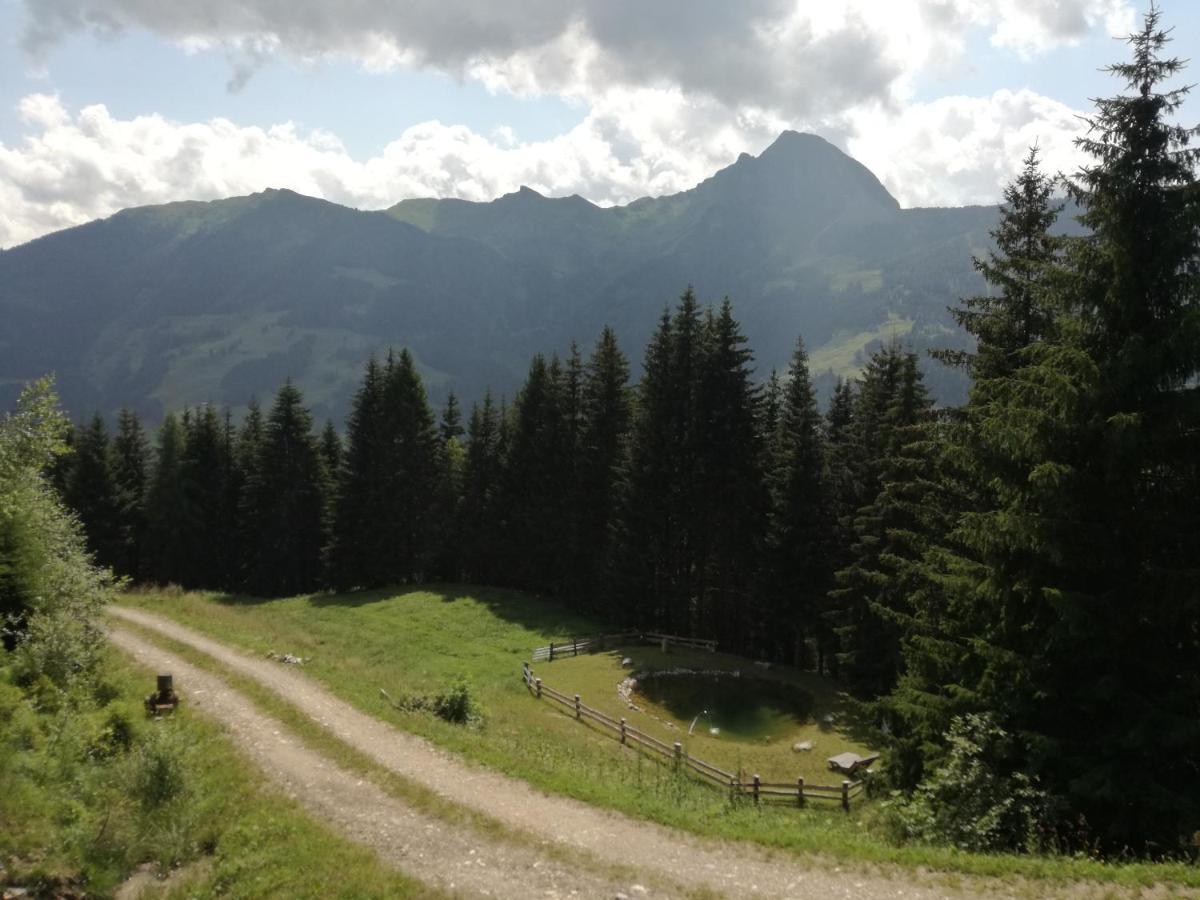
x=454 y=859
x=673 y=862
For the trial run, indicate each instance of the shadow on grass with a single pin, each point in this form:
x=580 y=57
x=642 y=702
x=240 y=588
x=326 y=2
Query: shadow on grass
x=531 y=613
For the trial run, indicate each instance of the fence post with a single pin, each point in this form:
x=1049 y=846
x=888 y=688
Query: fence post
x=622 y=729
x=678 y=754
x=578 y=711
x=551 y=652
x=757 y=782
x=537 y=683
x=800 y=792
x=846 y=796
x=525 y=672
x=664 y=645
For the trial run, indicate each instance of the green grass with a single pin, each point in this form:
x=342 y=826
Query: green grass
x=418 y=641
x=77 y=810
x=843 y=353
x=757 y=739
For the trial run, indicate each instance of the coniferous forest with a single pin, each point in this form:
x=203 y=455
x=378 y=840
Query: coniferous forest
x=1011 y=587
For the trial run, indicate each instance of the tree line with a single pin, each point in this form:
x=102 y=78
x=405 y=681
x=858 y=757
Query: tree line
x=1016 y=577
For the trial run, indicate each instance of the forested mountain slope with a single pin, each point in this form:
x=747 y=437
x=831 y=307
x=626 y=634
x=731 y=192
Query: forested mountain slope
x=165 y=306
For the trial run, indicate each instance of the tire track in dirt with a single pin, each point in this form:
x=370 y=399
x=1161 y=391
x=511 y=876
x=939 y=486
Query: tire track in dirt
x=449 y=857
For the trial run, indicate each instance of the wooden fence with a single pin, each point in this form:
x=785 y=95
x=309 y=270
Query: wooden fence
x=601 y=642
x=796 y=794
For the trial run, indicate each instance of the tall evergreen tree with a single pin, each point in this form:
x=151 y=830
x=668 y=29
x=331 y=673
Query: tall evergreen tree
x=478 y=521
x=410 y=474
x=359 y=550
x=451 y=424
x=947 y=637
x=130 y=461
x=892 y=407
x=602 y=469
x=287 y=497
x=538 y=517
x=730 y=501
x=797 y=570
x=92 y=494
x=205 y=472
x=331 y=448
x=167 y=547
x=1019 y=311
x=649 y=513
x=1085 y=613
x=244 y=488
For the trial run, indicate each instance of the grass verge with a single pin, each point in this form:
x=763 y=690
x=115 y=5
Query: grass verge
x=93 y=791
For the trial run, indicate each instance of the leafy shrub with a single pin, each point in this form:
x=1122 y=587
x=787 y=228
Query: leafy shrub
x=971 y=801
x=456 y=704
x=117 y=735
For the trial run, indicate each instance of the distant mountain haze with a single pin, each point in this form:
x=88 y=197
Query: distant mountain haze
x=167 y=306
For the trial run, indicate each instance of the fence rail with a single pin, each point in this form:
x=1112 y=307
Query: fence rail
x=597 y=643
x=760 y=791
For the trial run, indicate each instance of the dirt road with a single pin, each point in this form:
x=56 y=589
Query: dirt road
x=669 y=862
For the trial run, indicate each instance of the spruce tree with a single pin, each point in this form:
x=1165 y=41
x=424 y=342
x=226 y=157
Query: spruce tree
x=410 y=472
x=205 y=471
x=130 y=460
x=603 y=460
x=538 y=517
x=245 y=487
x=1126 y=600
x=946 y=649
x=649 y=514
x=451 y=423
x=359 y=550
x=288 y=502
x=797 y=562
x=92 y=493
x=1084 y=619
x=167 y=548
x=331 y=448
x=729 y=503
x=892 y=406
x=478 y=520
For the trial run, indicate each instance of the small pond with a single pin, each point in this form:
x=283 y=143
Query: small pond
x=739 y=708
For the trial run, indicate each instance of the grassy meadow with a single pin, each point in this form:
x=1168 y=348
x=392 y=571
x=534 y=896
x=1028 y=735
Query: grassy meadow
x=92 y=791
x=420 y=641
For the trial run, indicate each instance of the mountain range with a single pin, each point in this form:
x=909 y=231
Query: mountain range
x=166 y=306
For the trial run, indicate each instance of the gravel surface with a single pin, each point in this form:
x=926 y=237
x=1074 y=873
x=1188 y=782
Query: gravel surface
x=452 y=858
x=670 y=861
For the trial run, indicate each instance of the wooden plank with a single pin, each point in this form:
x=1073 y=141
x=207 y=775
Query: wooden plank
x=709 y=769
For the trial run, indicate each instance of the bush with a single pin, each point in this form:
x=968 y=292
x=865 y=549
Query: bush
x=159 y=770
x=456 y=704
x=972 y=802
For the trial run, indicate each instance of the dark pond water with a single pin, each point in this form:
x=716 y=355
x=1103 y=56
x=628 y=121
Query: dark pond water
x=742 y=708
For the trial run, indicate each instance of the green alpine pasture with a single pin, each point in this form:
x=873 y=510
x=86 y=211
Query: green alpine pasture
x=419 y=641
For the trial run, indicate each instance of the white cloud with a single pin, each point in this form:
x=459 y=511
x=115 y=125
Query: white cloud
x=795 y=57
x=674 y=89
x=956 y=151
x=74 y=167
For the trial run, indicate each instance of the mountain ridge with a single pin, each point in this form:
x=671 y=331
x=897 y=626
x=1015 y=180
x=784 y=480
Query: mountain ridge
x=181 y=303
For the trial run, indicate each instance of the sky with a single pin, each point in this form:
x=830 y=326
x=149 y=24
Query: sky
x=106 y=104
